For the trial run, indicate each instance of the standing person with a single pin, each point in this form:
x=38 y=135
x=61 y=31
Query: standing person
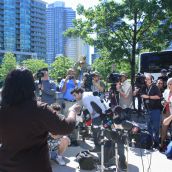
x=164 y=77
x=98 y=85
x=125 y=92
x=160 y=85
x=25 y=124
x=81 y=67
x=47 y=87
x=66 y=86
x=151 y=96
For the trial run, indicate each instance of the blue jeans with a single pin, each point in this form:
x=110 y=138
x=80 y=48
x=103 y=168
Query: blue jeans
x=154 y=124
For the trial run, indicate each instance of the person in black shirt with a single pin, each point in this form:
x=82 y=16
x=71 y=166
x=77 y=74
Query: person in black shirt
x=25 y=124
x=151 y=96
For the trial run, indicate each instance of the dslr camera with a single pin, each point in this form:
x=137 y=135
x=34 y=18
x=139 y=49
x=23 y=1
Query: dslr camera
x=71 y=77
x=40 y=74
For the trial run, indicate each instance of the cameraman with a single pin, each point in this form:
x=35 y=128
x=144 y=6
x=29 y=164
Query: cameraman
x=151 y=96
x=125 y=92
x=46 y=86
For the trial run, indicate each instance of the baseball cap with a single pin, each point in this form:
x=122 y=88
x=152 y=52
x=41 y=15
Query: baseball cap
x=124 y=74
x=95 y=73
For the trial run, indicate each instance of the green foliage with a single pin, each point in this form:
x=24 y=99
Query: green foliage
x=60 y=66
x=34 y=64
x=8 y=64
x=105 y=66
x=125 y=29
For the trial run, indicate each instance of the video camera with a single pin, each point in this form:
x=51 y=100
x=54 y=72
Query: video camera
x=39 y=74
x=113 y=78
x=140 y=80
x=88 y=81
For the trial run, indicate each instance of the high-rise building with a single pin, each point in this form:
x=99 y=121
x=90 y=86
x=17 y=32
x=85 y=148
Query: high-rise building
x=59 y=19
x=83 y=49
x=23 y=28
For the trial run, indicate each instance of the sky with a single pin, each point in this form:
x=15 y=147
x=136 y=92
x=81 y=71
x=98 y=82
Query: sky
x=73 y=3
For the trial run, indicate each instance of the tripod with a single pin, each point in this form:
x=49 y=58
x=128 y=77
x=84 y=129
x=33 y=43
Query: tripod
x=118 y=145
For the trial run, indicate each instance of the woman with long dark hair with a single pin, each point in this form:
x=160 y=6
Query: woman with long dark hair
x=25 y=124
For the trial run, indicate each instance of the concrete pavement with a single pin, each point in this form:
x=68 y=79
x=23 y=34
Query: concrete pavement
x=139 y=160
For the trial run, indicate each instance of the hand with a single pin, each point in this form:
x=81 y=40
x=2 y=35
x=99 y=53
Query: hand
x=76 y=107
x=145 y=96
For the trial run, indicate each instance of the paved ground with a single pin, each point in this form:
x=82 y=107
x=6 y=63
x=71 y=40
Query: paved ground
x=139 y=160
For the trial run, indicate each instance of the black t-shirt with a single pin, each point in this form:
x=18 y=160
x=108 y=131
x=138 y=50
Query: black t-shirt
x=151 y=104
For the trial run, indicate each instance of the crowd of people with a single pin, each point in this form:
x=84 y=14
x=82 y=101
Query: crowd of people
x=30 y=117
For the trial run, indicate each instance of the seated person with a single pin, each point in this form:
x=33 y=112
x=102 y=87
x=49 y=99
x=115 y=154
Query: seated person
x=58 y=143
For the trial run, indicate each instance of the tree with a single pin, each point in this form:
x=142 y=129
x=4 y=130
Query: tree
x=8 y=64
x=125 y=29
x=34 y=64
x=60 y=66
x=105 y=66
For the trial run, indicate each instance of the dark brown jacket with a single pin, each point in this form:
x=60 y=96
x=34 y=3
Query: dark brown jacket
x=23 y=134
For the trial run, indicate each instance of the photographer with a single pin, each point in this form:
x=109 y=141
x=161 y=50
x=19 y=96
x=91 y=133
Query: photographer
x=66 y=86
x=80 y=68
x=151 y=96
x=46 y=86
x=139 y=85
x=125 y=92
x=98 y=85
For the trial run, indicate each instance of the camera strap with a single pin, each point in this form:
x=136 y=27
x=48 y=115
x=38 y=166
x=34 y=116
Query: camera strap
x=148 y=90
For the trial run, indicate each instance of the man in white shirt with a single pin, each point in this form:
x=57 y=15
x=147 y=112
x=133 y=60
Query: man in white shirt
x=125 y=92
x=95 y=107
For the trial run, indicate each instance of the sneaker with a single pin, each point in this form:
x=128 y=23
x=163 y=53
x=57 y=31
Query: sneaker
x=60 y=160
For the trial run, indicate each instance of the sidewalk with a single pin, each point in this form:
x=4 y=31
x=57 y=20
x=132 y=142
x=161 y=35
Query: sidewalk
x=139 y=160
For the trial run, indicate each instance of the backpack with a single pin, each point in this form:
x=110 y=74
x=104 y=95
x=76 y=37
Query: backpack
x=85 y=160
x=144 y=140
